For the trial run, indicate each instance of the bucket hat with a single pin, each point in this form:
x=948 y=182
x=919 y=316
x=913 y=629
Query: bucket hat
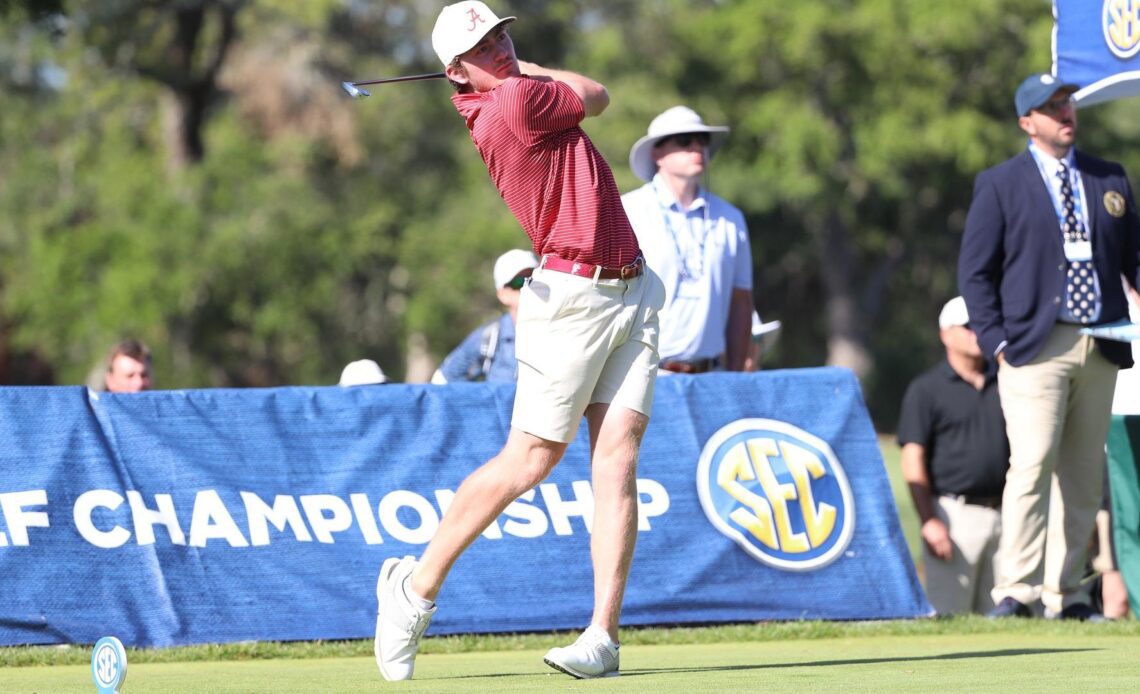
x=674 y=121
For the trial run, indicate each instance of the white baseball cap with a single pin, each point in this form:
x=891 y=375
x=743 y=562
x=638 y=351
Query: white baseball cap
x=953 y=314
x=462 y=25
x=362 y=372
x=512 y=263
x=674 y=121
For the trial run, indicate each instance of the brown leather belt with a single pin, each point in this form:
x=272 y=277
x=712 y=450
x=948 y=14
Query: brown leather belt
x=696 y=366
x=571 y=267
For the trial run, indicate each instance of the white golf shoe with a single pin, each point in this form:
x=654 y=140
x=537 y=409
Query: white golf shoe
x=592 y=655
x=399 y=622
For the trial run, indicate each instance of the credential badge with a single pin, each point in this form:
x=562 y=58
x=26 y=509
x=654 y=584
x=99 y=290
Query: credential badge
x=1114 y=203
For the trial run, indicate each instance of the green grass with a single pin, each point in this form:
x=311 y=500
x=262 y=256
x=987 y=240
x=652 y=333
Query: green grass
x=33 y=656
x=962 y=654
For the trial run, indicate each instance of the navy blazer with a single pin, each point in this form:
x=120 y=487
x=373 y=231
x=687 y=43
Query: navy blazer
x=1012 y=267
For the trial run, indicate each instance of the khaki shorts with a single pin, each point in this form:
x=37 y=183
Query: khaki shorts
x=581 y=341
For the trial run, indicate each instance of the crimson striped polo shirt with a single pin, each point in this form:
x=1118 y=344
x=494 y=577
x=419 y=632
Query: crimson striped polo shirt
x=553 y=179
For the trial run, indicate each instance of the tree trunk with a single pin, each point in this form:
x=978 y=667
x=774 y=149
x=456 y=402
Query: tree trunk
x=190 y=70
x=846 y=341
x=182 y=117
x=419 y=365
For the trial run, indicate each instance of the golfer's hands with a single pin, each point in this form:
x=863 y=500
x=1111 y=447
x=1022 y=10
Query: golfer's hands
x=937 y=538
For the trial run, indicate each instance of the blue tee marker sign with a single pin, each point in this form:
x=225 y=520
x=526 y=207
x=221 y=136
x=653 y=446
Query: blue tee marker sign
x=109 y=665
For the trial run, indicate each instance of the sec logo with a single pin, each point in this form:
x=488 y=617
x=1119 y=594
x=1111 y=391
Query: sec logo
x=109 y=665
x=1120 y=20
x=778 y=492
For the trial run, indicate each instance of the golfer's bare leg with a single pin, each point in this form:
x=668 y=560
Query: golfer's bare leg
x=615 y=438
x=524 y=462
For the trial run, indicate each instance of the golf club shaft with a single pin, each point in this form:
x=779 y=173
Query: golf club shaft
x=406 y=78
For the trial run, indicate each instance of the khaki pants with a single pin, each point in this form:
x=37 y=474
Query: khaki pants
x=1057 y=411
x=963 y=584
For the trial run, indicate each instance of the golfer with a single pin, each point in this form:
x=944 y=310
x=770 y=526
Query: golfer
x=586 y=334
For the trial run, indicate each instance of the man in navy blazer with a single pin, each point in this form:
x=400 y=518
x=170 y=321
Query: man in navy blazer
x=1049 y=237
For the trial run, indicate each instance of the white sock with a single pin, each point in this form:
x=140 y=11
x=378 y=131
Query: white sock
x=414 y=597
x=604 y=633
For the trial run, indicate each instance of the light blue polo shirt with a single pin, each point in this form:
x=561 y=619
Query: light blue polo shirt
x=701 y=254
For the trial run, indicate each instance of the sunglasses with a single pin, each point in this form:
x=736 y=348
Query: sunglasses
x=686 y=139
x=1055 y=105
x=516 y=283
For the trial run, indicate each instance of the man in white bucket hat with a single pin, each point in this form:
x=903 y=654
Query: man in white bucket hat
x=696 y=242
x=586 y=337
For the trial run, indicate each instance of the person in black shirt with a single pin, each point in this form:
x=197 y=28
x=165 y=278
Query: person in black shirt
x=954 y=459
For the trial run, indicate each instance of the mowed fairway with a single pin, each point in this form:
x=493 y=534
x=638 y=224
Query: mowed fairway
x=921 y=663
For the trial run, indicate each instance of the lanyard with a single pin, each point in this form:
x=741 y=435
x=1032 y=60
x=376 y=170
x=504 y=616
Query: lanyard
x=1075 y=184
x=688 y=269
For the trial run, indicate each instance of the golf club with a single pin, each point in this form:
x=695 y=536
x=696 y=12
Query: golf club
x=354 y=90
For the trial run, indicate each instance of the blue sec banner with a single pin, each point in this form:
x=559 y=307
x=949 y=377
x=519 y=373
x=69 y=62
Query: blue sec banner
x=178 y=517
x=1096 y=45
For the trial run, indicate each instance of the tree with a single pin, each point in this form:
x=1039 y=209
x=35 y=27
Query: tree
x=858 y=128
x=181 y=46
x=281 y=229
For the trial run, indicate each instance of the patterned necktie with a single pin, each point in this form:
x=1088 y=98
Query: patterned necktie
x=1079 y=288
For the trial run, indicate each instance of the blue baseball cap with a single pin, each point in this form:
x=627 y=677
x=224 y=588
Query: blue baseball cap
x=1036 y=90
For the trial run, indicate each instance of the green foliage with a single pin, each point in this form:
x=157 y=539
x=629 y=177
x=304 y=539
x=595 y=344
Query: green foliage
x=858 y=129
x=313 y=230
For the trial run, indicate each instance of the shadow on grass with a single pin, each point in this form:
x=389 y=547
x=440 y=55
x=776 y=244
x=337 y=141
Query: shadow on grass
x=1007 y=653
x=864 y=661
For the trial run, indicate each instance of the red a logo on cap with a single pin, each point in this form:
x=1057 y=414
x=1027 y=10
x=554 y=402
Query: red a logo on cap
x=475 y=19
